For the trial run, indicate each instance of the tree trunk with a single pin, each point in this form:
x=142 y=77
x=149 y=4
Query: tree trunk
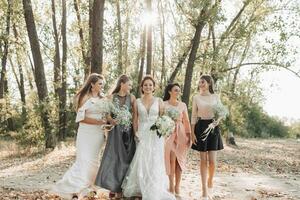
x=39 y=73
x=21 y=73
x=179 y=64
x=126 y=37
x=57 y=69
x=63 y=90
x=20 y=80
x=28 y=74
x=84 y=51
x=162 y=35
x=190 y=65
x=3 y=80
x=120 y=46
x=142 y=56
x=20 y=83
x=149 y=40
x=97 y=36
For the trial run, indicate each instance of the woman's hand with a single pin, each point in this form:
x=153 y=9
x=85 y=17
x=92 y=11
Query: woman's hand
x=136 y=137
x=193 y=138
x=190 y=141
x=111 y=120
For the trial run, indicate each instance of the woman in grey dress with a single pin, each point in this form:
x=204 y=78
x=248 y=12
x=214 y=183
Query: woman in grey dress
x=120 y=146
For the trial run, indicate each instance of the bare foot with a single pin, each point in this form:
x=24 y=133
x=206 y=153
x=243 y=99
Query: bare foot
x=177 y=190
x=171 y=189
x=209 y=183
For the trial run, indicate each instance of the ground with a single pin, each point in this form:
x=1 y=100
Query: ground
x=255 y=169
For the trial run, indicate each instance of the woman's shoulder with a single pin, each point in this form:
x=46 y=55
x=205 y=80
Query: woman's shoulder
x=132 y=97
x=158 y=99
x=196 y=96
x=182 y=105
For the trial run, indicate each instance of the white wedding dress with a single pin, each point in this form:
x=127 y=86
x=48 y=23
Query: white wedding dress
x=90 y=138
x=147 y=176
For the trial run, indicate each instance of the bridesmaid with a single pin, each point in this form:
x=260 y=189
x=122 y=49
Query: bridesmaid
x=178 y=143
x=81 y=176
x=120 y=145
x=202 y=116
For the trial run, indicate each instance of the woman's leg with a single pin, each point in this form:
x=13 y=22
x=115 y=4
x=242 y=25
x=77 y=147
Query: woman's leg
x=203 y=172
x=212 y=159
x=178 y=172
x=172 y=171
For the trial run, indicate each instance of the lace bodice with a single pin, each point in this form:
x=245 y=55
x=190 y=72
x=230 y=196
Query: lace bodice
x=148 y=116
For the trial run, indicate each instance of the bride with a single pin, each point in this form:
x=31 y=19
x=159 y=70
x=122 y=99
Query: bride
x=146 y=176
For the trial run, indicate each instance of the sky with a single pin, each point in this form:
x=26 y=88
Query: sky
x=282 y=94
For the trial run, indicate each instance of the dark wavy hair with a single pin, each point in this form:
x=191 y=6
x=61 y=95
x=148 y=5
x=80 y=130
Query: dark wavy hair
x=86 y=88
x=122 y=79
x=168 y=89
x=147 y=77
x=210 y=82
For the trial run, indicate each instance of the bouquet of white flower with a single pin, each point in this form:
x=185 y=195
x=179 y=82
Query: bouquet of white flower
x=220 y=111
x=104 y=105
x=173 y=113
x=163 y=126
x=121 y=114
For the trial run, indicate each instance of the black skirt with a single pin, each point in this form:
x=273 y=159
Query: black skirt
x=213 y=142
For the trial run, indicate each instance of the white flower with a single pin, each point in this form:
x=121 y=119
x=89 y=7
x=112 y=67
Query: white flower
x=121 y=114
x=163 y=126
x=220 y=111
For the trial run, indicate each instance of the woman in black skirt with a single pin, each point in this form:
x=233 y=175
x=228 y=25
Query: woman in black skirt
x=203 y=117
x=120 y=146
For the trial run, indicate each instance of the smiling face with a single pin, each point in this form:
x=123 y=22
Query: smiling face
x=97 y=87
x=203 y=85
x=175 y=92
x=148 y=86
x=127 y=86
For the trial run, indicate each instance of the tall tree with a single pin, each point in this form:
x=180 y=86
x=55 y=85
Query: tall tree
x=57 y=67
x=97 y=36
x=162 y=36
x=201 y=22
x=126 y=36
x=120 y=40
x=63 y=89
x=39 y=73
x=149 y=37
x=3 y=78
x=142 y=57
x=84 y=49
x=20 y=80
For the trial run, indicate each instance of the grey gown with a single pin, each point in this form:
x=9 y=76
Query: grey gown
x=118 y=153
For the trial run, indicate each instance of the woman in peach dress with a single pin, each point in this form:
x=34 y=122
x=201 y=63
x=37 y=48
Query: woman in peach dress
x=178 y=143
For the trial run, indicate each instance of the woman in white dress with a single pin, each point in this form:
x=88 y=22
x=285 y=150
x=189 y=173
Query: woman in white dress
x=147 y=176
x=80 y=177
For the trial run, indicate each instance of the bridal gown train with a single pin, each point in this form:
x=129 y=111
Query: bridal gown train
x=147 y=176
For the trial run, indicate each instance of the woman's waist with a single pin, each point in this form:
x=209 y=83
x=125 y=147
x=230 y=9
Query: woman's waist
x=208 y=119
x=90 y=126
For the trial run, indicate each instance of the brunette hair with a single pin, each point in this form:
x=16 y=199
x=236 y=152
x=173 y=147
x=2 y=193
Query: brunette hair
x=86 y=88
x=122 y=79
x=210 y=82
x=147 y=77
x=168 y=89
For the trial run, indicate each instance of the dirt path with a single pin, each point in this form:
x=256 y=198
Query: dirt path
x=256 y=169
